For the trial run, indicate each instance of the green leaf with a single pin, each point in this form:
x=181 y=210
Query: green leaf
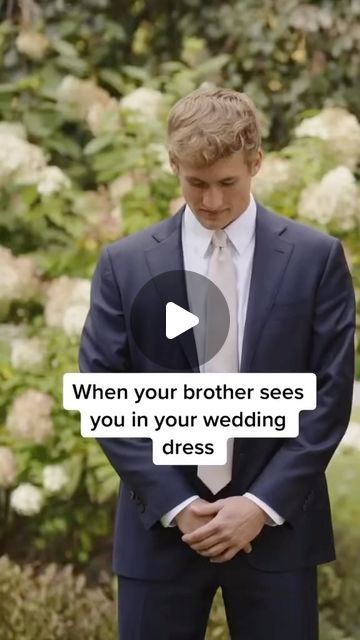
x=136 y=73
x=64 y=48
x=98 y=144
x=114 y=79
x=64 y=145
x=77 y=66
x=41 y=124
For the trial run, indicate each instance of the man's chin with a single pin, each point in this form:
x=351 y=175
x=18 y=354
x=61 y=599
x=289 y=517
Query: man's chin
x=213 y=222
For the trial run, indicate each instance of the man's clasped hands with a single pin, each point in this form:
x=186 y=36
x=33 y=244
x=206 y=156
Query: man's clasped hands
x=219 y=530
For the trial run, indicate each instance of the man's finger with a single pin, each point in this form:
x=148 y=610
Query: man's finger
x=200 y=534
x=214 y=551
x=248 y=548
x=226 y=556
x=206 y=509
x=206 y=544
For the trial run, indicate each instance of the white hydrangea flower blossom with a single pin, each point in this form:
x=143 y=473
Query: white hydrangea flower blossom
x=20 y=161
x=81 y=291
x=27 y=353
x=339 y=128
x=54 y=478
x=145 y=102
x=310 y=19
x=26 y=499
x=11 y=281
x=8 y=468
x=52 y=180
x=74 y=319
x=90 y=205
x=14 y=128
x=160 y=153
x=19 y=279
x=9 y=332
x=335 y=199
x=82 y=95
x=103 y=118
x=29 y=416
x=32 y=44
x=23 y=163
x=275 y=173
x=62 y=294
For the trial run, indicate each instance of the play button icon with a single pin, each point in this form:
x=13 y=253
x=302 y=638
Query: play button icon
x=178 y=320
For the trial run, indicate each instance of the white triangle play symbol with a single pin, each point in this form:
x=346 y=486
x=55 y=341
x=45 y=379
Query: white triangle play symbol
x=178 y=320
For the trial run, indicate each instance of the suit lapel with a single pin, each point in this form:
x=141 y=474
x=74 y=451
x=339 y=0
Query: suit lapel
x=166 y=256
x=271 y=257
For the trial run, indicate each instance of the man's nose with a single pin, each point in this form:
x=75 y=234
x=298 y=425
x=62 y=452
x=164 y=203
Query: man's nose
x=212 y=199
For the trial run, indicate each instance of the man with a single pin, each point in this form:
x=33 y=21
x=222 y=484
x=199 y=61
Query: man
x=261 y=533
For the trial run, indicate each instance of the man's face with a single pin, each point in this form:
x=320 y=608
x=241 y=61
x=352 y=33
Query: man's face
x=219 y=193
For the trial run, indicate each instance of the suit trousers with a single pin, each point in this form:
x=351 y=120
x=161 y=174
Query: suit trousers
x=259 y=605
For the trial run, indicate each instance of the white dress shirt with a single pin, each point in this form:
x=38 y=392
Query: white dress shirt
x=196 y=245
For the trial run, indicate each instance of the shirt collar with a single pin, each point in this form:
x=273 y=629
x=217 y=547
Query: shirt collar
x=240 y=231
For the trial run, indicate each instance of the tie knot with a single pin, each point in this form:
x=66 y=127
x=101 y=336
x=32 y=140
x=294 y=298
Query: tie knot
x=219 y=238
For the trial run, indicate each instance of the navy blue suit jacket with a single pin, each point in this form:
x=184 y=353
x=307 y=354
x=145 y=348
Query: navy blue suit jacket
x=300 y=318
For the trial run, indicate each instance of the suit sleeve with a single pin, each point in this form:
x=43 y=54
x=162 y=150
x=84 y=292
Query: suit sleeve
x=293 y=471
x=104 y=348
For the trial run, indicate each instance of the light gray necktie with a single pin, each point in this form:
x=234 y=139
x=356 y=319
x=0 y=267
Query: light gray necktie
x=223 y=274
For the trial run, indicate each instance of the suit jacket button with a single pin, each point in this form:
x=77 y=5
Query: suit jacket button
x=132 y=495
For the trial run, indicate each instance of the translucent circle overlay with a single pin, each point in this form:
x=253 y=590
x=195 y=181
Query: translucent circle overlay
x=194 y=293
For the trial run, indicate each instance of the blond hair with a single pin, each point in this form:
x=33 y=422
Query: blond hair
x=210 y=124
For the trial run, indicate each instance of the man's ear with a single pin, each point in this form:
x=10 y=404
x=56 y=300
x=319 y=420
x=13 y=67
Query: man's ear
x=256 y=164
x=173 y=165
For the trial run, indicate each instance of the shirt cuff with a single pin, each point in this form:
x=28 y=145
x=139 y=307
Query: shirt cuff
x=167 y=519
x=273 y=518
